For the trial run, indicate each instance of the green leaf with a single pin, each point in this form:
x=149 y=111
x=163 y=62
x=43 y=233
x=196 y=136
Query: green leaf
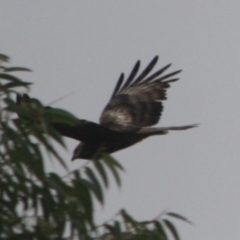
x=129 y=220
x=178 y=216
x=34 y=163
x=113 y=165
x=172 y=229
x=57 y=137
x=15 y=84
x=12 y=78
x=57 y=183
x=12 y=69
x=99 y=166
x=82 y=188
x=82 y=193
x=114 y=230
x=44 y=140
x=97 y=187
x=160 y=230
x=112 y=161
x=57 y=115
x=4 y=58
x=118 y=231
x=45 y=208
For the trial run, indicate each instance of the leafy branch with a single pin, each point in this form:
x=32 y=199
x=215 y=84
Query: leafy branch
x=39 y=204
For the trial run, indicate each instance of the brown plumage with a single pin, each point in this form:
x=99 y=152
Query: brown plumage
x=138 y=102
x=135 y=105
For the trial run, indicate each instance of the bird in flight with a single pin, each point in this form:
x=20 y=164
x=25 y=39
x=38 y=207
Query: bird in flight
x=135 y=106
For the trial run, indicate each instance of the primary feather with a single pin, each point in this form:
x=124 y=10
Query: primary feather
x=138 y=102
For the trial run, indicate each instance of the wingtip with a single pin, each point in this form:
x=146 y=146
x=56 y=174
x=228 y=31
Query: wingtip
x=137 y=66
x=156 y=58
x=154 y=61
x=192 y=125
x=177 y=71
x=138 y=62
x=121 y=78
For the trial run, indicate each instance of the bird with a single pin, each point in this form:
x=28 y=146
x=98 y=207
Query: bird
x=135 y=105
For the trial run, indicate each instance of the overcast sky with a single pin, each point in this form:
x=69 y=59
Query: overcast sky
x=78 y=49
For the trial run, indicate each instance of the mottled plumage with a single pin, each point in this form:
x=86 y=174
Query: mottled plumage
x=138 y=102
x=135 y=105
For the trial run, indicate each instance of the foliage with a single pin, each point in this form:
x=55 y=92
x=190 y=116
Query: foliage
x=38 y=204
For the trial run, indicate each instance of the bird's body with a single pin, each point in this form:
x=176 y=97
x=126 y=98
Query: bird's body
x=109 y=141
x=96 y=138
x=133 y=108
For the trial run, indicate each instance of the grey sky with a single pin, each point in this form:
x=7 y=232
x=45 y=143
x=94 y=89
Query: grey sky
x=81 y=47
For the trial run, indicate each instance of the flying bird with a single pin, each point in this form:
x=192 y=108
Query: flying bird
x=135 y=106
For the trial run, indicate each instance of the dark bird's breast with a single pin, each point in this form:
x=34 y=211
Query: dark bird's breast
x=110 y=142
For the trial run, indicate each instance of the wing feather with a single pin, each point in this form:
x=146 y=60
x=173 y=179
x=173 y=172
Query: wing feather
x=146 y=71
x=169 y=75
x=156 y=74
x=118 y=85
x=138 y=103
x=132 y=75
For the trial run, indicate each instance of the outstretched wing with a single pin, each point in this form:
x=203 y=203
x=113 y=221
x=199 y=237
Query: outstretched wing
x=137 y=102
